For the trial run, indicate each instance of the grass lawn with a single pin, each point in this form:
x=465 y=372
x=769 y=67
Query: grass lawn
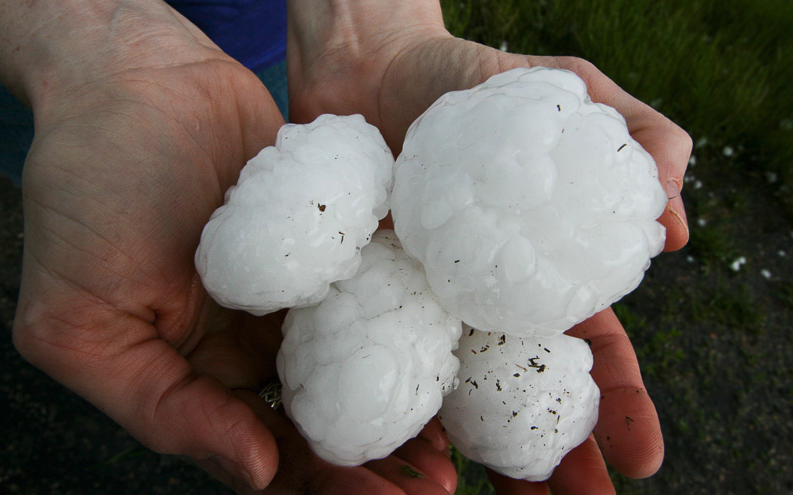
x=711 y=323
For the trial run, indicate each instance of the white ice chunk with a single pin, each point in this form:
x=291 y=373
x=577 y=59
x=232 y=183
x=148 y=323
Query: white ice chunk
x=530 y=207
x=521 y=404
x=359 y=386
x=298 y=217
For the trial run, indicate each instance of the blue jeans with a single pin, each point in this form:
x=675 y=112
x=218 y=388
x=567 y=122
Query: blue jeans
x=16 y=121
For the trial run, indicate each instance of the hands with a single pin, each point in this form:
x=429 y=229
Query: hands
x=390 y=63
x=141 y=125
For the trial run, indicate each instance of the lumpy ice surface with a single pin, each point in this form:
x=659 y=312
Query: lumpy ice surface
x=298 y=216
x=364 y=370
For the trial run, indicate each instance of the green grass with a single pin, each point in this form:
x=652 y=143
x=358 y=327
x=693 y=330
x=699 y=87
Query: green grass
x=722 y=70
x=472 y=479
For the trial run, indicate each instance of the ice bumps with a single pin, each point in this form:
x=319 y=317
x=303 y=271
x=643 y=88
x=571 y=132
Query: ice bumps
x=298 y=216
x=530 y=207
x=364 y=370
x=522 y=404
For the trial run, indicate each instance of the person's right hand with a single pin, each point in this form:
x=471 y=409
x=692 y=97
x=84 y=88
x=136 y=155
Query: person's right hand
x=141 y=125
x=390 y=61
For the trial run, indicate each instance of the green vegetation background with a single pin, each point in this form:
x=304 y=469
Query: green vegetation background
x=711 y=323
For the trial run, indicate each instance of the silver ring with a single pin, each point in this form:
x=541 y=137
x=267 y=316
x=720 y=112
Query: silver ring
x=271 y=393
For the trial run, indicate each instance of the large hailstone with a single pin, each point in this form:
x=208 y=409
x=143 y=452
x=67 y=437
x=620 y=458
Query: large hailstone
x=366 y=369
x=530 y=207
x=522 y=403
x=298 y=216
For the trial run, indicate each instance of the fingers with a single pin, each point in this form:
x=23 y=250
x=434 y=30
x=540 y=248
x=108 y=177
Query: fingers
x=174 y=410
x=504 y=485
x=431 y=462
x=120 y=365
x=628 y=429
x=669 y=145
x=419 y=468
x=435 y=434
x=408 y=477
x=582 y=472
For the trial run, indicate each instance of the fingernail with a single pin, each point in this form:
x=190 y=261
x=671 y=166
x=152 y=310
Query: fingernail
x=235 y=470
x=675 y=205
x=673 y=188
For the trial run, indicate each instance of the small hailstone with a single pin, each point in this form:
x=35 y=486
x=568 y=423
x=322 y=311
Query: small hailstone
x=522 y=403
x=728 y=151
x=298 y=216
x=766 y=274
x=364 y=370
x=530 y=207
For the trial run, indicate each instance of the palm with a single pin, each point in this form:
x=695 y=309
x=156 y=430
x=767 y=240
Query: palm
x=406 y=79
x=117 y=186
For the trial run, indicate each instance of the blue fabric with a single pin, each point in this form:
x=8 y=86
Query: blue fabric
x=251 y=31
x=274 y=79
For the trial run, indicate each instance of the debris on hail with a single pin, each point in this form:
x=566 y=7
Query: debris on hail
x=522 y=403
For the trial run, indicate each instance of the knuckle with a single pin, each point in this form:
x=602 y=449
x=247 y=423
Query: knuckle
x=584 y=68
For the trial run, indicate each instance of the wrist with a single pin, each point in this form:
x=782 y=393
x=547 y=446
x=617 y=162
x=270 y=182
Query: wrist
x=54 y=47
x=36 y=37
x=358 y=26
x=355 y=36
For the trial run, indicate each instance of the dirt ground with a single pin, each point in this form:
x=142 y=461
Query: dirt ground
x=719 y=369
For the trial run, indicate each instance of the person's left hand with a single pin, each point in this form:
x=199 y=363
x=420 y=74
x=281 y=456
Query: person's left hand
x=389 y=62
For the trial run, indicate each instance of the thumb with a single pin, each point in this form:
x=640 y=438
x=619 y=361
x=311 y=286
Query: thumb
x=120 y=365
x=197 y=416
